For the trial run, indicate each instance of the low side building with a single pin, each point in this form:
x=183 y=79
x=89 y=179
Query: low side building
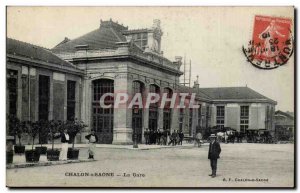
x=284 y=125
x=240 y=108
x=40 y=85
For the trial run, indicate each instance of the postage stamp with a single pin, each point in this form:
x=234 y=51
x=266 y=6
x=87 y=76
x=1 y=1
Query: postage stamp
x=271 y=45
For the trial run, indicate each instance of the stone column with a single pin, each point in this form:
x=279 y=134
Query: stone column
x=122 y=115
x=78 y=92
x=86 y=85
x=213 y=115
x=145 y=112
x=175 y=118
x=186 y=129
x=194 y=121
x=33 y=94
x=86 y=100
x=50 y=116
x=160 y=120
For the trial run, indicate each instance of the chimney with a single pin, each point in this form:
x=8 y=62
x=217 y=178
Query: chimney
x=156 y=23
x=178 y=59
x=196 y=83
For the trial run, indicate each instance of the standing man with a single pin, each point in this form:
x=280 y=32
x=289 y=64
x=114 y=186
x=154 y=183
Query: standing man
x=173 y=138
x=93 y=139
x=214 y=154
x=146 y=136
x=158 y=136
x=181 y=136
x=65 y=139
x=154 y=136
x=151 y=136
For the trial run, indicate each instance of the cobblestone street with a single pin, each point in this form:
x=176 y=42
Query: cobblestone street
x=268 y=164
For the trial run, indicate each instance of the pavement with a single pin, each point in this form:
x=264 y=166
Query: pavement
x=240 y=165
x=112 y=146
x=20 y=162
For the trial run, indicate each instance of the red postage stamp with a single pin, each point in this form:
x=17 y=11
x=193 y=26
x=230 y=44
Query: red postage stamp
x=272 y=42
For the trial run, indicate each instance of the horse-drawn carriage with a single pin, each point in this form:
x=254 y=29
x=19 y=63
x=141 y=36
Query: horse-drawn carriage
x=226 y=134
x=259 y=136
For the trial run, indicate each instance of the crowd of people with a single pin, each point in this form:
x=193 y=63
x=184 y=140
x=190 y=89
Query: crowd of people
x=164 y=137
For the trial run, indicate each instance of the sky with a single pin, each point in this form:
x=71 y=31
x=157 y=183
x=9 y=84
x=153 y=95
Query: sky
x=211 y=37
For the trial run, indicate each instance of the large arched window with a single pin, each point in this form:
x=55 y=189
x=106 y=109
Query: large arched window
x=153 y=108
x=167 y=110
x=103 y=118
x=137 y=112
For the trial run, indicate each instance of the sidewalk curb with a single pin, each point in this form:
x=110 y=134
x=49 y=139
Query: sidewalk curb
x=47 y=163
x=130 y=147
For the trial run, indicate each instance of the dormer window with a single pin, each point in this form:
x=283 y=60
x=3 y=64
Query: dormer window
x=140 y=39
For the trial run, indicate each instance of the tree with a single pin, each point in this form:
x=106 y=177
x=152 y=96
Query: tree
x=43 y=131
x=73 y=128
x=54 y=127
x=16 y=127
x=32 y=129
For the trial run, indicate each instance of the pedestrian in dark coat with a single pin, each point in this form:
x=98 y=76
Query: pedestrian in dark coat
x=173 y=138
x=146 y=136
x=158 y=136
x=165 y=137
x=214 y=154
x=154 y=136
x=181 y=136
x=151 y=136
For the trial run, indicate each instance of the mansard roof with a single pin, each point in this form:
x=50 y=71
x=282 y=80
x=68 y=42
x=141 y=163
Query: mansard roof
x=199 y=94
x=235 y=93
x=104 y=37
x=33 y=53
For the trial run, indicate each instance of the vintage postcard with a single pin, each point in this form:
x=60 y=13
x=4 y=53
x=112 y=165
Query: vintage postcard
x=195 y=97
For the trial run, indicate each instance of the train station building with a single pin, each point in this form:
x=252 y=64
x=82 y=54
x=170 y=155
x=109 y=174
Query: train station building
x=67 y=81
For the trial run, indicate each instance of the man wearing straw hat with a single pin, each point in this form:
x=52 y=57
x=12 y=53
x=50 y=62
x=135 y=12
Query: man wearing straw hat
x=214 y=154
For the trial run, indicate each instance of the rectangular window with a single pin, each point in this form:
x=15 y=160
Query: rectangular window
x=44 y=93
x=220 y=117
x=244 y=123
x=71 y=99
x=12 y=88
x=141 y=40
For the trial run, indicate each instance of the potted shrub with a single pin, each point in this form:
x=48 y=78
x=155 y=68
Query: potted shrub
x=43 y=133
x=16 y=129
x=9 y=157
x=74 y=127
x=54 y=127
x=9 y=149
x=32 y=128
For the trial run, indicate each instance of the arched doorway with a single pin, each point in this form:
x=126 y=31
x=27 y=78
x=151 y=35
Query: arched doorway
x=137 y=112
x=103 y=118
